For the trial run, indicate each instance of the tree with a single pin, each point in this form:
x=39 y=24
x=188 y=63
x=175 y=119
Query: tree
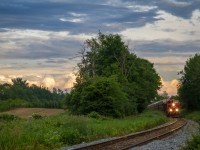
x=33 y=95
x=107 y=56
x=189 y=88
x=20 y=82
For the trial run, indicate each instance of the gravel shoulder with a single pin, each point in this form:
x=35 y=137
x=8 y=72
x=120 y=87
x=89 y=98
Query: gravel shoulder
x=173 y=142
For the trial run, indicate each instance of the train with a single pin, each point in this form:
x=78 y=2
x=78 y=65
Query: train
x=170 y=106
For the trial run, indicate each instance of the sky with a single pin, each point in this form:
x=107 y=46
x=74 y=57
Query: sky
x=40 y=39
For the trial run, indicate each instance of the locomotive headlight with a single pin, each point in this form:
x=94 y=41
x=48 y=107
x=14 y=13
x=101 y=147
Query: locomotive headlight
x=173 y=104
x=177 y=109
x=170 y=110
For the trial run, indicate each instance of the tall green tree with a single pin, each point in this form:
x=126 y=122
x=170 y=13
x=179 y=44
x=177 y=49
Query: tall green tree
x=189 y=88
x=107 y=56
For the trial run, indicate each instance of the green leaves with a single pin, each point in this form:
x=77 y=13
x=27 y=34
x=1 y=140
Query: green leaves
x=135 y=85
x=189 y=89
x=102 y=95
x=20 y=94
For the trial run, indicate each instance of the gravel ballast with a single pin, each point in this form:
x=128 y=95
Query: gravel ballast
x=173 y=142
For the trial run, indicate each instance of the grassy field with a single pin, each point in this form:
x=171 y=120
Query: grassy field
x=64 y=130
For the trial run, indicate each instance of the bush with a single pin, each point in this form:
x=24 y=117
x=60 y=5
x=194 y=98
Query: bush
x=94 y=115
x=71 y=136
x=102 y=95
x=8 y=117
x=36 y=116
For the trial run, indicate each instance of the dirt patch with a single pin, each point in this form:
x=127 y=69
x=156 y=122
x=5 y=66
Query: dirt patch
x=27 y=112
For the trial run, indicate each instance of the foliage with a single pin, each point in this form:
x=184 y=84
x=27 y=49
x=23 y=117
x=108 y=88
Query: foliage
x=102 y=95
x=20 y=94
x=8 y=117
x=136 y=81
x=96 y=115
x=64 y=130
x=36 y=116
x=194 y=116
x=189 y=89
x=9 y=104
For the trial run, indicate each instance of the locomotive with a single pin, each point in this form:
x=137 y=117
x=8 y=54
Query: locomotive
x=170 y=106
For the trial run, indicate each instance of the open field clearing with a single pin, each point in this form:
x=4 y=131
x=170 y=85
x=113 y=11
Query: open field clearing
x=27 y=112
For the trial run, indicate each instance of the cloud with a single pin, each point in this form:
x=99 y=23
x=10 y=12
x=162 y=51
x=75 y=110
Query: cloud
x=75 y=20
x=40 y=37
x=37 y=44
x=78 y=14
x=86 y=16
x=37 y=83
x=168 y=60
x=69 y=83
x=4 y=79
x=177 y=3
x=169 y=86
x=48 y=82
x=179 y=30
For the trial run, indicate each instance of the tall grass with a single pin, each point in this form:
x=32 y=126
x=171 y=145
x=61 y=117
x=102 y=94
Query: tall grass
x=65 y=130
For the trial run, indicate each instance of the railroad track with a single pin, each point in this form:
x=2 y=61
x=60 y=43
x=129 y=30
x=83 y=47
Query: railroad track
x=140 y=138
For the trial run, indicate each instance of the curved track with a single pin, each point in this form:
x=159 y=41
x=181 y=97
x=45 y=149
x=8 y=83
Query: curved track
x=129 y=141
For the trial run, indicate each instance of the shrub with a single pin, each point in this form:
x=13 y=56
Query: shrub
x=8 y=117
x=94 y=115
x=36 y=116
x=102 y=95
x=71 y=136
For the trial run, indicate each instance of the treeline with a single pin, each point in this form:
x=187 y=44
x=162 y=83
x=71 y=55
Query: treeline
x=20 y=94
x=111 y=80
x=189 y=85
